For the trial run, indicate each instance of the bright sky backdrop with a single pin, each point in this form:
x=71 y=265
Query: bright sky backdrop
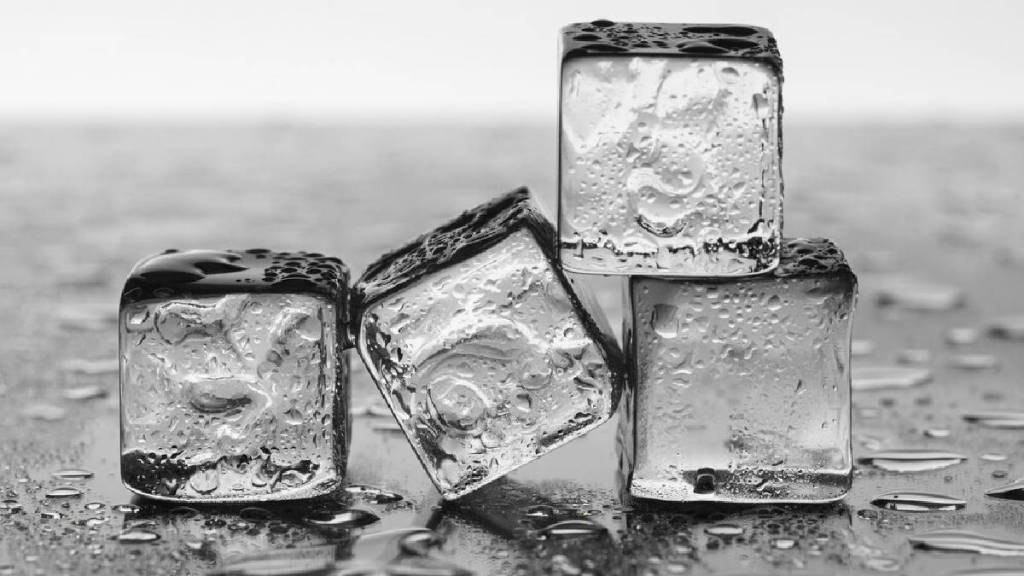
x=477 y=59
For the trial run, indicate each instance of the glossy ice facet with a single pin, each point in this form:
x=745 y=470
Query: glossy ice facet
x=232 y=397
x=740 y=390
x=487 y=358
x=670 y=163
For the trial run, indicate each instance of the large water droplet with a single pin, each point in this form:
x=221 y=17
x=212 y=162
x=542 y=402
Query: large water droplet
x=64 y=492
x=573 y=529
x=964 y=541
x=912 y=460
x=997 y=419
x=918 y=502
x=1011 y=491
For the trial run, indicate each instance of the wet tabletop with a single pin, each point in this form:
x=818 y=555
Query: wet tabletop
x=928 y=215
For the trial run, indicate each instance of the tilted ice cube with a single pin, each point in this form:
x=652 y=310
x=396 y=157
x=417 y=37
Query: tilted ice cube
x=233 y=386
x=739 y=390
x=481 y=348
x=670 y=149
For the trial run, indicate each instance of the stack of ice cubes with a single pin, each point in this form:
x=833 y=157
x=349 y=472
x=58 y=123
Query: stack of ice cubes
x=738 y=341
x=735 y=380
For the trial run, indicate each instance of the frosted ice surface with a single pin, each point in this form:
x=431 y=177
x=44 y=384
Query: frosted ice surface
x=670 y=166
x=740 y=390
x=234 y=397
x=487 y=363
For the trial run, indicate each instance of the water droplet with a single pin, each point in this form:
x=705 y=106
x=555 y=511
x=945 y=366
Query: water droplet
x=783 y=543
x=994 y=457
x=374 y=494
x=997 y=419
x=573 y=529
x=45 y=412
x=10 y=506
x=86 y=392
x=918 y=502
x=73 y=474
x=919 y=295
x=963 y=541
x=912 y=460
x=419 y=543
x=1008 y=328
x=352 y=518
x=205 y=481
x=137 y=536
x=64 y=492
x=90 y=367
x=92 y=506
x=937 y=432
x=126 y=508
x=962 y=336
x=724 y=530
x=1011 y=491
x=975 y=361
x=889 y=377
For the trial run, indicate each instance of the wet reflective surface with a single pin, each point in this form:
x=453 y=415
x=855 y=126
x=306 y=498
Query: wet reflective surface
x=82 y=205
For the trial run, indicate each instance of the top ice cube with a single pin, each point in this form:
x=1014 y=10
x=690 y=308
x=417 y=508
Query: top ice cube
x=670 y=138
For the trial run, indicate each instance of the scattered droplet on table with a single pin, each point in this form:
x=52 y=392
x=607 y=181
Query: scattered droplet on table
x=912 y=460
x=964 y=541
x=73 y=474
x=974 y=361
x=573 y=529
x=889 y=377
x=64 y=492
x=918 y=502
x=1011 y=491
x=1000 y=419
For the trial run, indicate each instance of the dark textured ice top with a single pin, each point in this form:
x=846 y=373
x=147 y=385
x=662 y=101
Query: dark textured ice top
x=472 y=232
x=191 y=273
x=810 y=257
x=607 y=38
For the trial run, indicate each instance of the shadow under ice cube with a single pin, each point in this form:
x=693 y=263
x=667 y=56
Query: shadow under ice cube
x=739 y=390
x=670 y=148
x=481 y=348
x=233 y=384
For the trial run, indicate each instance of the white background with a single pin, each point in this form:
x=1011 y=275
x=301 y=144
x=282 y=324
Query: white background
x=477 y=60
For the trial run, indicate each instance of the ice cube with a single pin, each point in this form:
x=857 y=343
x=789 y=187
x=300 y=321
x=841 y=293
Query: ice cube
x=739 y=390
x=481 y=347
x=233 y=384
x=670 y=149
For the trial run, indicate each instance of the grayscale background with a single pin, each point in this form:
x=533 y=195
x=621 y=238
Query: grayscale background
x=128 y=127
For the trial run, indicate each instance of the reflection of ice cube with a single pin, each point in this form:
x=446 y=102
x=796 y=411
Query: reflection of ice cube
x=740 y=390
x=669 y=166
x=487 y=358
x=232 y=397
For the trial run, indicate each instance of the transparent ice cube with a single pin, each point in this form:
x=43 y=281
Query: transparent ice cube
x=670 y=165
x=481 y=349
x=233 y=397
x=739 y=390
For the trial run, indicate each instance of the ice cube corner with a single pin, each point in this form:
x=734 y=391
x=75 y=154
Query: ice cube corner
x=234 y=384
x=670 y=149
x=481 y=347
